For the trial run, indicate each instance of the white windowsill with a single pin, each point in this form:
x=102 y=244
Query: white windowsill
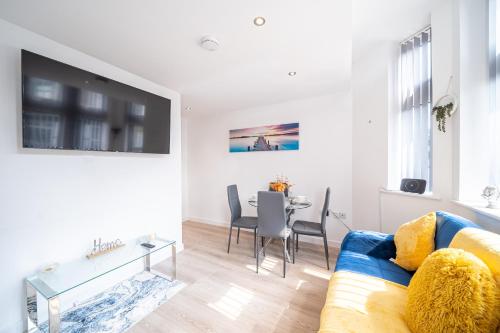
x=480 y=208
x=428 y=196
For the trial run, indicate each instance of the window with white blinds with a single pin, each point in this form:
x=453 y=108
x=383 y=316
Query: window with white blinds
x=416 y=108
x=494 y=114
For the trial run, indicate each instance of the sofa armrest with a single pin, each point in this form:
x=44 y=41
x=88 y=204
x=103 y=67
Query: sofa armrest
x=371 y=243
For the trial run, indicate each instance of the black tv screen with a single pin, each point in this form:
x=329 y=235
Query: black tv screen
x=68 y=108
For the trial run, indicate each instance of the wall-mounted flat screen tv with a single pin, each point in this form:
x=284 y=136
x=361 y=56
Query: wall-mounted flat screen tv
x=65 y=107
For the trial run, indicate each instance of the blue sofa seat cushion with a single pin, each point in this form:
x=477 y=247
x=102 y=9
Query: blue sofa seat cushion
x=367 y=265
x=371 y=243
x=368 y=252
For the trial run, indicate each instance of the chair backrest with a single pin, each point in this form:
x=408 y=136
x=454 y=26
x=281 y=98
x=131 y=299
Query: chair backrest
x=271 y=214
x=324 y=212
x=234 y=202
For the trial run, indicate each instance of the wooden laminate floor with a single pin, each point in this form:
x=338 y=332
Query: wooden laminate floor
x=224 y=294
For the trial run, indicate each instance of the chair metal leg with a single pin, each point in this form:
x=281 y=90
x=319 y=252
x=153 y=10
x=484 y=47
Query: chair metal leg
x=293 y=247
x=229 y=242
x=257 y=259
x=238 y=237
x=284 y=257
x=263 y=247
x=289 y=214
x=297 y=243
x=326 y=252
x=254 y=242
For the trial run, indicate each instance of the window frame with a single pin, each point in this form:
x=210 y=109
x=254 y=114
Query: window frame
x=396 y=154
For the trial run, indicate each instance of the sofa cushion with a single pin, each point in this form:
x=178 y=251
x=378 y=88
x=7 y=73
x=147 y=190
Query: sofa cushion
x=368 y=252
x=483 y=244
x=376 y=267
x=361 y=303
x=371 y=243
x=453 y=291
x=415 y=241
x=447 y=226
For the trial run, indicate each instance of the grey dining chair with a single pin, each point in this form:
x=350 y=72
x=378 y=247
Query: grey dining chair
x=313 y=229
x=271 y=222
x=238 y=221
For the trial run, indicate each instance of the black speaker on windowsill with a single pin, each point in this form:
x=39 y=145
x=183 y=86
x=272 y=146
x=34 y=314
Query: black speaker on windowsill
x=413 y=185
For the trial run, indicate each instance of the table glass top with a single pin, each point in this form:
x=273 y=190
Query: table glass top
x=291 y=203
x=75 y=273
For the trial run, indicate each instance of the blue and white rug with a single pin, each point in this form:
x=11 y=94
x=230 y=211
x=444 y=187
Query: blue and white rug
x=120 y=307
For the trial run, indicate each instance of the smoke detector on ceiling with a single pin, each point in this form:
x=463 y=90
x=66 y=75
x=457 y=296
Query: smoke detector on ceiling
x=209 y=43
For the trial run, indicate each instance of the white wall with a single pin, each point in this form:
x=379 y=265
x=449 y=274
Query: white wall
x=370 y=82
x=185 y=180
x=474 y=99
x=324 y=159
x=52 y=203
x=373 y=91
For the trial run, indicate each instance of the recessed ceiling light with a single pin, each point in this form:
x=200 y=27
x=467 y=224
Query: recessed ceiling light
x=259 y=21
x=292 y=73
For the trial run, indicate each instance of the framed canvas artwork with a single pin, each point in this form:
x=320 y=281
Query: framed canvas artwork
x=264 y=138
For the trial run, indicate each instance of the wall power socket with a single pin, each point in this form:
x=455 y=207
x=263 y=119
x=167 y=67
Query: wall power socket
x=339 y=215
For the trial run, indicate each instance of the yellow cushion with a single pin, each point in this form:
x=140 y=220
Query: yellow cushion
x=415 y=241
x=362 y=303
x=453 y=291
x=483 y=244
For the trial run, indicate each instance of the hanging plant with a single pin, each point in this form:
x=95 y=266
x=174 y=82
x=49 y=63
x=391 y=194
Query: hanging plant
x=442 y=112
x=445 y=107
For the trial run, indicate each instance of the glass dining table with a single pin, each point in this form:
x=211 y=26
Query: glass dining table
x=291 y=203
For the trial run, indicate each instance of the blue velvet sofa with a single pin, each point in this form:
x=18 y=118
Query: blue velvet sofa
x=367 y=292
x=368 y=252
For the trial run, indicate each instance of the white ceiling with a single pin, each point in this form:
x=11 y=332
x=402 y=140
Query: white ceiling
x=379 y=21
x=158 y=40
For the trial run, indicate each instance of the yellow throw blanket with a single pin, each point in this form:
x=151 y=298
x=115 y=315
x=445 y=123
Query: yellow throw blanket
x=361 y=303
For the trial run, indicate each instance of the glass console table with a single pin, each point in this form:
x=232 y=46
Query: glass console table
x=76 y=273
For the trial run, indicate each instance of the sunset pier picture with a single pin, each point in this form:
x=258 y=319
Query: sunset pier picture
x=264 y=138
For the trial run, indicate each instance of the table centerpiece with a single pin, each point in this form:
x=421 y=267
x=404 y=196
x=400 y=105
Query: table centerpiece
x=281 y=184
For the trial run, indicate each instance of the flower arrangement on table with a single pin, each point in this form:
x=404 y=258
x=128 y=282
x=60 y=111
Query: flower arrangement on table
x=281 y=184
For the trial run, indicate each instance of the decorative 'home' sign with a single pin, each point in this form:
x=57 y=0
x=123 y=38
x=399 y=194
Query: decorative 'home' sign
x=102 y=248
x=264 y=138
